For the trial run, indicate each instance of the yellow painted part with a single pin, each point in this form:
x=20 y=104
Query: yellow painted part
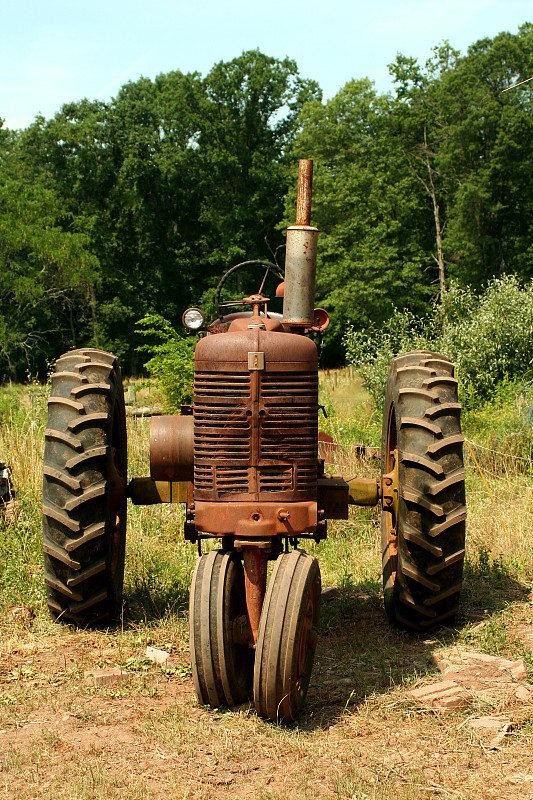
x=363 y=492
x=147 y=492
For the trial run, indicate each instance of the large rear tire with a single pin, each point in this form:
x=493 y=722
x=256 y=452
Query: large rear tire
x=287 y=637
x=84 y=488
x=423 y=529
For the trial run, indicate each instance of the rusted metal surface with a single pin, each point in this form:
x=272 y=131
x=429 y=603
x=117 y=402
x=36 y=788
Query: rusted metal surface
x=255 y=561
x=333 y=497
x=239 y=322
x=255 y=427
x=259 y=440
x=172 y=448
x=251 y=520
x=147 y=492
x=300 y=257
x=305 y=190
x=328 y=448
x=391 y=486
x=321 y=320
x=284 y=352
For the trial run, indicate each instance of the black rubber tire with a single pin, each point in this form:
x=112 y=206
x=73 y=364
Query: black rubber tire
x=221 y=667
x=84 y=489
x=423 y=561
x=287 y=638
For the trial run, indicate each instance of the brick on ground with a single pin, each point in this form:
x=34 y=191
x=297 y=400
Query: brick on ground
x=475 y=671
x=442 y=695
x=105 y=677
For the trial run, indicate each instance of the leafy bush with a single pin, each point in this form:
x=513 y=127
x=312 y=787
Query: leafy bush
x=172 y=364
x=371 y=351
x=489 y=337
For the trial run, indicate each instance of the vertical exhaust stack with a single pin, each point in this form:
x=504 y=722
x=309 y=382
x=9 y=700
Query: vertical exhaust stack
x=300 y=258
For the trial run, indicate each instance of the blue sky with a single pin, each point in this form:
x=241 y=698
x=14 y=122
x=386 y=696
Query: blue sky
x=56 y=51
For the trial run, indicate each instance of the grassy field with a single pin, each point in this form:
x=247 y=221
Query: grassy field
x=360 y=736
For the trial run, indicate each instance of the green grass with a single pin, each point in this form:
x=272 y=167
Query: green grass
x=358 y=737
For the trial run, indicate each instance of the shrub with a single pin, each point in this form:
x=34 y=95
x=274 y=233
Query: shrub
x=172 y=363
x=371 y=351
x=489 y=337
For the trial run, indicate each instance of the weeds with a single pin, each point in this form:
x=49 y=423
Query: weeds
x=359 y=737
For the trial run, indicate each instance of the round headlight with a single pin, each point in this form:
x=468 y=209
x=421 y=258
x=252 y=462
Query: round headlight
x=193 y=319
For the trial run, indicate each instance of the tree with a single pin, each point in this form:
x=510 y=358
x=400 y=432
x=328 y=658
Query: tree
x=478 y=147
x=172 y=182
x=45 y=272
x=251 y=118
x=489 y=151
x=420 y=127
x=373 y=245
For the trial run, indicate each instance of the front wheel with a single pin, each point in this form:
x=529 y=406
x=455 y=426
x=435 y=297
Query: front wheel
x=221 y=657
x=84 y=488
x=423 y=477
x=287 y=637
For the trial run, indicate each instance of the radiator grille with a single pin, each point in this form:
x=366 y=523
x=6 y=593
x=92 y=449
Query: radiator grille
x=288 y=431
x=221 y=432
x=272 y=455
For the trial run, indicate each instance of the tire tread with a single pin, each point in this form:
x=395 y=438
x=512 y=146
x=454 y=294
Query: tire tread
x=422 y=572
x=85 y=412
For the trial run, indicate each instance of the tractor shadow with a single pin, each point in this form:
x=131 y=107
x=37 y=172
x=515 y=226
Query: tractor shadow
x=148 y=600
x=359 y=653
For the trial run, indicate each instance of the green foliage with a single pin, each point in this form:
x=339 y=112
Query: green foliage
x=489 y=338
x=112 y=210
x=169 y=184
x=371 y=350
x=374 y=242
x=441 y=167
x=172 y=364
x=46 y=272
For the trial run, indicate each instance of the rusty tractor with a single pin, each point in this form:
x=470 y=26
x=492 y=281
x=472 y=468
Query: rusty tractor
x=245 y=462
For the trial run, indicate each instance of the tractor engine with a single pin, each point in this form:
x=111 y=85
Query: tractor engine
x=255 y=431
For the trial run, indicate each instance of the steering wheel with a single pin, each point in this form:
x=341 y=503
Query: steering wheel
x=266 y=266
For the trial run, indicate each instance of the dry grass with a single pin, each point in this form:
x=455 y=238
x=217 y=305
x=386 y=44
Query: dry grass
x=359 y=737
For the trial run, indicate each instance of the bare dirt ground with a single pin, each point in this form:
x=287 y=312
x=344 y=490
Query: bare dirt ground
x=362 y=735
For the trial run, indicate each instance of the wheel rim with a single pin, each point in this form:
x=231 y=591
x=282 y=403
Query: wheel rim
x=236 y=628
x=390 y=484
x=117 y=492
x=308 y=642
